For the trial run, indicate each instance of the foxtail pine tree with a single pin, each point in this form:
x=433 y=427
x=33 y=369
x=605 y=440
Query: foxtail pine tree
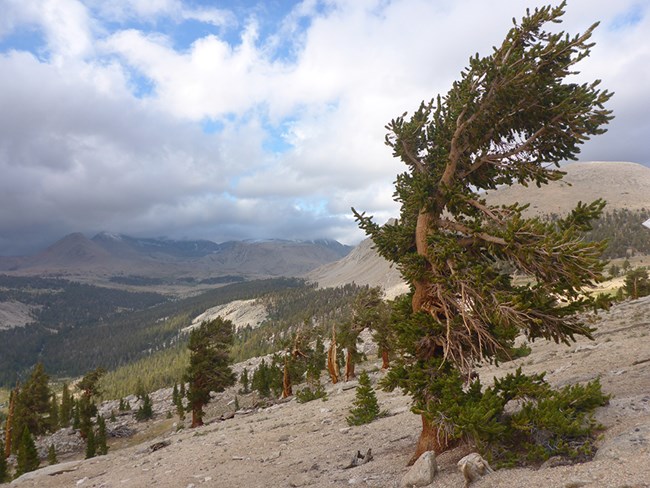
x=209 y=368
x=511 y=118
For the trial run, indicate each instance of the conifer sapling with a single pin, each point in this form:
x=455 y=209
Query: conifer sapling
x=365 y=406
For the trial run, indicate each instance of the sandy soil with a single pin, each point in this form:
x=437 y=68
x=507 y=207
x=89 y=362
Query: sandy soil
x=292 y=445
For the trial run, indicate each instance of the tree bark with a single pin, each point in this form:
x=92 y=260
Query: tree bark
x=197 y=415
x=9 y=422
x=430 y=440
x=385 y=361
x=349 y=364
x=286 y=380
x=332 y=366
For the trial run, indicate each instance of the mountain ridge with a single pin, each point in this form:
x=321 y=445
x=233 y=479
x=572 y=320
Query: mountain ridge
x=107 y=254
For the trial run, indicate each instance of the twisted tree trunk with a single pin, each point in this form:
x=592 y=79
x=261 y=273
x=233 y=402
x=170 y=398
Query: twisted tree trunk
x=332 y=366
x=385 y=361
x=431 y=439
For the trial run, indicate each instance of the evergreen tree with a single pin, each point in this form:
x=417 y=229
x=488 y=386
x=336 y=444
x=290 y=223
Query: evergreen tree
x=180 y=410
x=27 y=459
x=91 y=446
x=76 y=417
x=508 y=119
x=384 y=333
x=4 y=468
x=365 y=313
x=245 y=382
x=180 y=407
x=100 y=440
x=319 y=357
x=175 y=396
x=365 y=406
x=209 y=368
x=51 y=455
x=261 y=380
x=145 y=410
x=294 y=363
x=87 y=410
x=637 y=283
x=626 y=265
x=67 y=404
x=90 y=383
x=32 y=406
x=9 y=423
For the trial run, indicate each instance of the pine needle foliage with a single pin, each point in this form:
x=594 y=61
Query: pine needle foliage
x=91 y=446
x=27 y=458
x=540 y=422
x=51 y=455
x=4 y=468
x=100 y=441
x=209 y=368
x=512 y=117
x=145 y=410
x=312 y=392
x=365 y=405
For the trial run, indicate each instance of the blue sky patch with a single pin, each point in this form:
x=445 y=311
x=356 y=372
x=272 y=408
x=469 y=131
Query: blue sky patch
x=276 y=136
x=631 y=17
x=212 y=126
x=30 y=39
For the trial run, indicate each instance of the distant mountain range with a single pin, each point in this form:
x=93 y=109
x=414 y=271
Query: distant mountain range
x=117 y=255
x=622 y=185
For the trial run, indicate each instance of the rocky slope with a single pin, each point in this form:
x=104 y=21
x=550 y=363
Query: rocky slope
x=291 y=445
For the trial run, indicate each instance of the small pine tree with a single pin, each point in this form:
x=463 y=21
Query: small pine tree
x=100 y=441
x=122 y=405
x=67 y=404
x=76 y=417
x=637 y=284
x=27 y=459
x=312 y=392
x=175 y=396
x=91 y=446
x=245 y=382
x=261 y=381
x=112 y=417
x=145 y=411
x=51 y=455
x=4 y=468
x=180 y=408
x=318 y=361
x=86 y=410
x=366 y=407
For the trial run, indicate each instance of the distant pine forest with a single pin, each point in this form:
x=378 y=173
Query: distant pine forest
x=79 y=327
x=624 y=231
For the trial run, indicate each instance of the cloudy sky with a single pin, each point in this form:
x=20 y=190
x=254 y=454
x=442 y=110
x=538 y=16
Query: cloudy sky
x=243 y=119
